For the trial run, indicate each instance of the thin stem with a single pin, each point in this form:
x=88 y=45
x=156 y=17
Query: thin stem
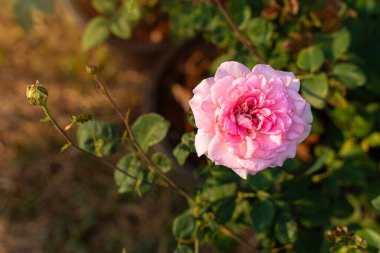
x=140 y=151
x=244 y=40
x=67 y=138
x=196 y=246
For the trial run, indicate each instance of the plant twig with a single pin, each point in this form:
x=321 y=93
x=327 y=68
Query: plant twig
x=151 y=165
x=132 y=138
x=244 y=40
x=71 y=143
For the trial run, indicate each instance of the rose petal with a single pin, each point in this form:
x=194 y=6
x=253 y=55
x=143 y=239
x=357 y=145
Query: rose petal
x=231 y=68
x=288 y=78
x=219 y=89
x=202 y=140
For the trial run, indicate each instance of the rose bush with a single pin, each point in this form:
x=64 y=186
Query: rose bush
x=249 y=120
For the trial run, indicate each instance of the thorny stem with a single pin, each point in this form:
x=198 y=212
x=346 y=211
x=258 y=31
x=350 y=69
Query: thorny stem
x=244 y=40
x=140 y=151
x=151 y=165
x=71 y=143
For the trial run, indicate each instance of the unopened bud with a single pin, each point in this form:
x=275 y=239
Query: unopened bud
x=92 y=70
x=330 y=236
x=36 y=94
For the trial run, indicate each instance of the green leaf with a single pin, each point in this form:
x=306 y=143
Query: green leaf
x=183 y=249
x=325 y=155
x=185 y=148
x=162 y=162
x=261 y=181
x=131 y=165
x=376 y=203
x=349 y=74
x=220 y=36
x=44 y=5
x=217 y=192
x=121 y=27
x=286 y=229
x=262 y=214
x=99 y=138
x=341 y=43
x=310 y=59
x=184 y=226
x=150 y=129
x=23 y=13
x=223 y=243
x=223 y=210
x=240 y=12
x=315 y=90
x=131 y=10
x=313 y=210
x=372 y=237
x=260 y=32
x=104 y=6
x=96 y=32
x=373 y=140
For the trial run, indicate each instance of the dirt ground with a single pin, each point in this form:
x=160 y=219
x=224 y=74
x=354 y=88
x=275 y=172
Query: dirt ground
x=52 y=202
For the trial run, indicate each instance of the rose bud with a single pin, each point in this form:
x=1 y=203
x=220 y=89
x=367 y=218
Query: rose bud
x=36 y=94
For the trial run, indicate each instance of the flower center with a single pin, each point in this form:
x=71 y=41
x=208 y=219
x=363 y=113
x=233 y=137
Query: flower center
x=246 y=117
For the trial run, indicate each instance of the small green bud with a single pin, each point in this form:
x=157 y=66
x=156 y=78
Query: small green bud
x=92 y=70
x=36 y=94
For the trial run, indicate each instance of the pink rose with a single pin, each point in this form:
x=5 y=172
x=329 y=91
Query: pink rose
x=249 y=120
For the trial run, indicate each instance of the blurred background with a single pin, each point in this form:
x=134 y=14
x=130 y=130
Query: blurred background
x=52 y=202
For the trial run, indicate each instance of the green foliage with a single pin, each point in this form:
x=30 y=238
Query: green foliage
x=162 y=161
x=334 y=46
x=184 y=148
x=99 y=138
x=315 y=90
x=223 y=210
x=121 y=27
x=96 y=32
x=216 y=192
x=310 y=59
x=240 y=13
x=116 y=17
x=260 y=31
x=150 y=129
x=142 y=180
x=340 y=43
x=286 y=228
x=349 y=74
x=104 y=6
x=184 y=226
x=183 y=249
x=372 y=237
x=23 y=10
x=262 y=215
x=261 y=181
x=376 y=203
